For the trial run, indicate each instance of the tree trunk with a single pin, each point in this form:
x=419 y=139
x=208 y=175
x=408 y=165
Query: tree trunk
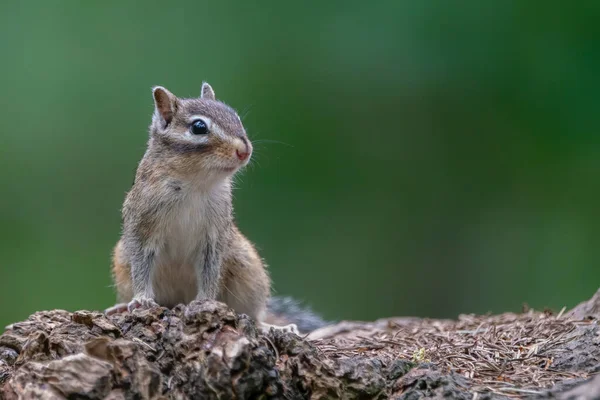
x=206 y=351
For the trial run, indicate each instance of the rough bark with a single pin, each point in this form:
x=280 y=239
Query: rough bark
x=207 y=351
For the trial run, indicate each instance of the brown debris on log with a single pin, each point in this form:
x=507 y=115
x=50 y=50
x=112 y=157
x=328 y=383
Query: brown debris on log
x=206 y=351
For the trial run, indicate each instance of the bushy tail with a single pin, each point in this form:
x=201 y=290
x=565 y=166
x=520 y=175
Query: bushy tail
x=285 y=310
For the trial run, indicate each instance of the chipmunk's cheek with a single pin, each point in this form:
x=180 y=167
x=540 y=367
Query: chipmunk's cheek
x=224 y=159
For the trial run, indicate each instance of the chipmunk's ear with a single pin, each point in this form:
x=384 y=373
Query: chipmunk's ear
x=165 y=104
x=207 y=92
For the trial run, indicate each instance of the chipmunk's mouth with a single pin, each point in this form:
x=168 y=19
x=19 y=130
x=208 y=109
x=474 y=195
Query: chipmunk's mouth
x=238 y=166
x=229 y=170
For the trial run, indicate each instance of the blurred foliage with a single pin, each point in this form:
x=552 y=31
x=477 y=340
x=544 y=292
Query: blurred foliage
x=413 y=158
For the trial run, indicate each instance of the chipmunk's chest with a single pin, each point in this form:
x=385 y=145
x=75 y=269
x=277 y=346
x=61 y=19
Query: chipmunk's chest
x=187 y=231
x=188 y=226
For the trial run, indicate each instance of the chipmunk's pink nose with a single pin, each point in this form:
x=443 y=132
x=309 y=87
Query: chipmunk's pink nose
x=243 y=149
x=242 y=155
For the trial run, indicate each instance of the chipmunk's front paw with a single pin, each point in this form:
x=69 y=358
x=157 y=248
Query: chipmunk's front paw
x=143 y=303
x=291 y=328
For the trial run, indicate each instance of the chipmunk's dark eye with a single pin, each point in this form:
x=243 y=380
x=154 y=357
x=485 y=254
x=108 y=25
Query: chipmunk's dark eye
x=199 y=127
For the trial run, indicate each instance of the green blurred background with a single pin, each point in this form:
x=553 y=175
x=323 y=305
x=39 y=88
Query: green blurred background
x=418 y=158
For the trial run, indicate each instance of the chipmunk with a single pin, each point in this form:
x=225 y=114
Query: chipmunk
x=179 y=240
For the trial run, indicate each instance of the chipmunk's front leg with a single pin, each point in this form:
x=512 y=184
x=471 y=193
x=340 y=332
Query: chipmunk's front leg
x=208 y=271
x=142 y=266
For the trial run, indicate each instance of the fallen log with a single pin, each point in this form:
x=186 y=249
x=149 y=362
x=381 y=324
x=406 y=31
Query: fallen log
x=206 y=351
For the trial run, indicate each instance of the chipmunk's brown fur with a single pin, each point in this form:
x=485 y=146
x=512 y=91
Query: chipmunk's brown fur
x=179 y=240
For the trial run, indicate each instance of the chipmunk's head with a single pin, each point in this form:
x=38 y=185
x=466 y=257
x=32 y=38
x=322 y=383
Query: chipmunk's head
x=200 y=133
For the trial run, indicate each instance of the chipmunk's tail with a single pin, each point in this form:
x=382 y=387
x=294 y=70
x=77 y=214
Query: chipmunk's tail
x=285 y=310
